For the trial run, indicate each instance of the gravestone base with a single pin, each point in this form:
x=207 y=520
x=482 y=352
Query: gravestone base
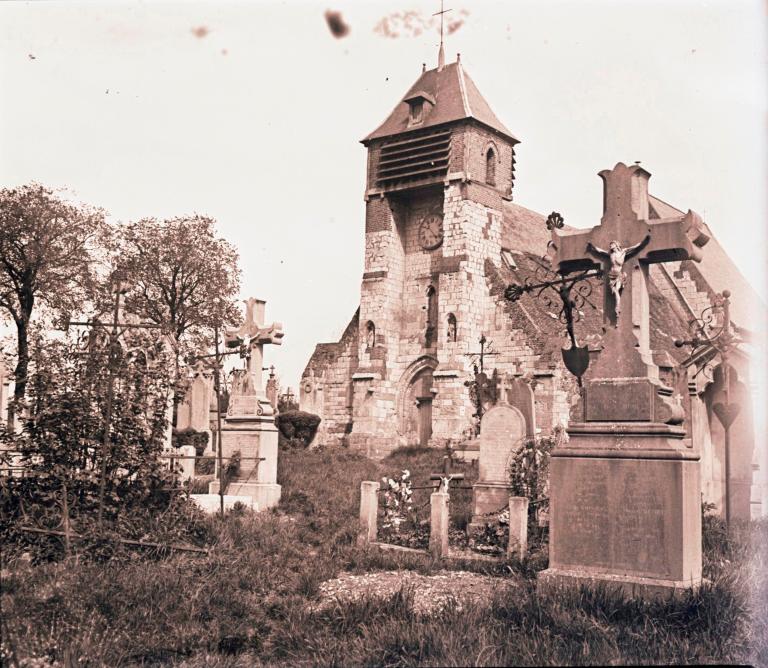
x=625 y=509
x=211 y=503
x=555 y=579
x=253 y=436
x=263 y=495
x=487 y=497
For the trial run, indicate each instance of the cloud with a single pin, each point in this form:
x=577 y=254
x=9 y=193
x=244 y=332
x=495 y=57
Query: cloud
x=413 y=23
x=200 y=31
x=336 y=24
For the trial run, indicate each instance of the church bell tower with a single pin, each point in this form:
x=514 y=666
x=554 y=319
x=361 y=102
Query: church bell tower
x=439 y=169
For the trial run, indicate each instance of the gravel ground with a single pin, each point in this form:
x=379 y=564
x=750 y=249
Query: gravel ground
x=431 y=593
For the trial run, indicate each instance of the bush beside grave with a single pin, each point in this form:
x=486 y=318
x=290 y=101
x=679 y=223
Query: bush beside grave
x=296 y=429
x=198 y=439
x=182 y=437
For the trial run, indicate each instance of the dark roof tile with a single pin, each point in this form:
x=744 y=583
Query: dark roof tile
x=456 y=98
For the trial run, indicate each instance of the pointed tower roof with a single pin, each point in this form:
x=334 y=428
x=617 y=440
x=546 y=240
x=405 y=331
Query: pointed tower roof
x=455 y=96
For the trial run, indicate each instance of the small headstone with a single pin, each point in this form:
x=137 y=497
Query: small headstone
x=502 y=432
x=520 y=395
x=438 y=531
x=181 y=461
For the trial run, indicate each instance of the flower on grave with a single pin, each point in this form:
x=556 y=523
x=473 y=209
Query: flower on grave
x=398 y=502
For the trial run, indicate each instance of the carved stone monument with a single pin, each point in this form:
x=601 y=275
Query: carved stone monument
x=502 y=431
x=249 y=427
x=625 y=504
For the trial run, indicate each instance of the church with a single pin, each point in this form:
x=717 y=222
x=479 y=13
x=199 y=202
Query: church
x=444 y=238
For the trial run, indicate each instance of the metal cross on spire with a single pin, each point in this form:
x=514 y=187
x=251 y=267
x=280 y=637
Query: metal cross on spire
x=441 y=53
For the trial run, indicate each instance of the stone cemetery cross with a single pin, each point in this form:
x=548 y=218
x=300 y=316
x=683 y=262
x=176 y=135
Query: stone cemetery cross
x=503 y=387
x=258 y=336
x=625 y=243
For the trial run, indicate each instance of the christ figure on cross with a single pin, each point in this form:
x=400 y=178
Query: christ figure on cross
x=617 y=256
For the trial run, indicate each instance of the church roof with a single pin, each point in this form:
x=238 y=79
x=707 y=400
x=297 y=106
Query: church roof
x=720 y=273
x=523 y=230
x=455 y=97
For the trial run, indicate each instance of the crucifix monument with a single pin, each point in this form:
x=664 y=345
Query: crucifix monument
x=249 y=427
x=625 y=491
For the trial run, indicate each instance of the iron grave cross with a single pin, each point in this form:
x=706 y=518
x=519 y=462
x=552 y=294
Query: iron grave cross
x=625 y=243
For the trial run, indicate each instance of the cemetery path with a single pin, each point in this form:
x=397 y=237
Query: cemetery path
x=431 y=593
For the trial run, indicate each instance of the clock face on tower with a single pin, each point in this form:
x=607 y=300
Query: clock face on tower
x=431 y=231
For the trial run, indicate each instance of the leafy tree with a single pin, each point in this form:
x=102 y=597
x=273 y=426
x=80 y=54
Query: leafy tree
x=62 y=441
x=183 y=275
x=46 y=252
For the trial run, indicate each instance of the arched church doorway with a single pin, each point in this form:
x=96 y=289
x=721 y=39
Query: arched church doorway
x=416 y=404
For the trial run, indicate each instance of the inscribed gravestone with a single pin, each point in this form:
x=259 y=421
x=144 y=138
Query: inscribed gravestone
x=502 y=431
x=625 y=491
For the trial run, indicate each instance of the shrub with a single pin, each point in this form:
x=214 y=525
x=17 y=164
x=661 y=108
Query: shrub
x=190 y=437
x=296 y=428
x=529 y=475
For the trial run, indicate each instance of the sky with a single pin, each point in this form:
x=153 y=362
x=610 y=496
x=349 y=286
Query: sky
x=252 y=112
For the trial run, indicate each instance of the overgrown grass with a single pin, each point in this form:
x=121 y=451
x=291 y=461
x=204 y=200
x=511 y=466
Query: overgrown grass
x=246 y=603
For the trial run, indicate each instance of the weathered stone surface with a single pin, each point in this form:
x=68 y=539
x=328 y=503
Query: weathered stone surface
x=625 y=492
x=211 y=503
x=438 y=526
x=628 y=516
x=518 y=526
x=502 y=431
x=369 y=508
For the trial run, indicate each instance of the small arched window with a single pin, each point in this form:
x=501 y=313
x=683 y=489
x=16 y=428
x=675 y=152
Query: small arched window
x=430 y=337
x=370 y=335
x=490 y=167
x=451 y=331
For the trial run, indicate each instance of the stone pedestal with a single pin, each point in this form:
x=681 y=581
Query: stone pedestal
x=253 y=435
x=625 y=493
x=625 y=509
x=211 y=503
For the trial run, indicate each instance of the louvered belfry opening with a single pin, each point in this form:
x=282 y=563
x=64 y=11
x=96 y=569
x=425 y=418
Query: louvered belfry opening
x=414 y=158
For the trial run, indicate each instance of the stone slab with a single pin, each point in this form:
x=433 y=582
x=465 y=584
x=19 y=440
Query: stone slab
x=487 y=499
x=555 y=579
x=626 y=517
x=264 y=495
x=502 y=431
x=211 y=503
